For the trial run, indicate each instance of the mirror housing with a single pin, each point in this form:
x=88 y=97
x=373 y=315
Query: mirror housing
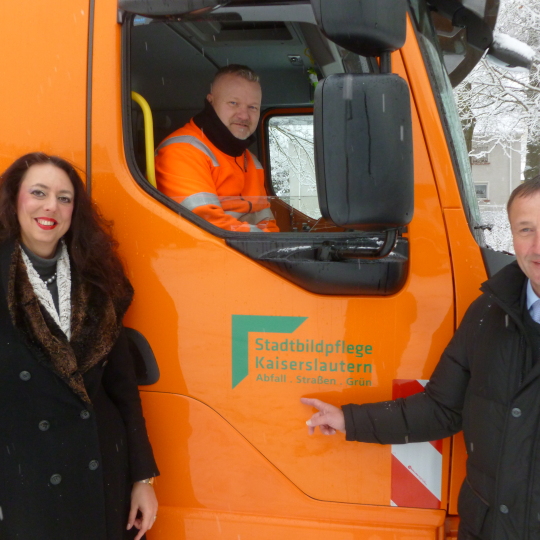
x=366 y=27
x=167 y=8
x=510 y=53
x=464 y=30
x=364 y=151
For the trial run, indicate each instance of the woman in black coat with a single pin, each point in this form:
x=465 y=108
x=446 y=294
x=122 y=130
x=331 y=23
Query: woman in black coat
x=75 y=460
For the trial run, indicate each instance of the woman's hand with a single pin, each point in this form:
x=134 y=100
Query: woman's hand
x=143 y=500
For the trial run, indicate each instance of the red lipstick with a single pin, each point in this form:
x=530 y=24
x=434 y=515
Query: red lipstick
x=47 y=224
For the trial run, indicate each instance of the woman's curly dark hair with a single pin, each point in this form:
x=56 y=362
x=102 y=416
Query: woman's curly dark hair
x=90 y=243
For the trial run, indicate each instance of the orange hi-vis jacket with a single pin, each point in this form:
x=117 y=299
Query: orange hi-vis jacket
x=226 y=191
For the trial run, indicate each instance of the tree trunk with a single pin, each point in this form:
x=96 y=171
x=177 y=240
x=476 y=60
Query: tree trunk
x=532 y=160
x=468 y=121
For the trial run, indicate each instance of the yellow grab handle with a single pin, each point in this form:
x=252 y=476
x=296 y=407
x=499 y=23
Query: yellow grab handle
x=148 y=137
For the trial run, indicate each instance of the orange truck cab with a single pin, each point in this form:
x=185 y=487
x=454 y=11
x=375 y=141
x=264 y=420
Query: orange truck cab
x=380 y=249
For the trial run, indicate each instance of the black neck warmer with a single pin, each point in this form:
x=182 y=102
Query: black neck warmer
x=218 y=133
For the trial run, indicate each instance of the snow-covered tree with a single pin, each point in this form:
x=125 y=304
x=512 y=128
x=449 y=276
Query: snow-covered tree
x=292 y=162
x=498 y=105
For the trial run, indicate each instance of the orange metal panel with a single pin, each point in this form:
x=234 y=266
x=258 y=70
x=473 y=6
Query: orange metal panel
x=215 y=484
x=451 y=527
x=237 y=460
x=469 y=272
x=467 y=265
x=43 y=92
x=188 y=286
x=432 y=128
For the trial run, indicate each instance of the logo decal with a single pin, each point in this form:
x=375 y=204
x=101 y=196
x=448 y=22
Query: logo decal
x=306 y=357
x=242 y=325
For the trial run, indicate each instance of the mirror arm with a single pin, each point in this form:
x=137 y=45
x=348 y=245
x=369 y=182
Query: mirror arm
x=389 y=244
x=329 y=251
x=385 y=64
x=168 y=8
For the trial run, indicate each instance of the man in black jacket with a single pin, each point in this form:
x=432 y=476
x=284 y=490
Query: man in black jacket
x=486 y=383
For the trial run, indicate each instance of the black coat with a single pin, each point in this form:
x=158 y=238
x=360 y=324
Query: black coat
x=487 y=385
x=66 y=465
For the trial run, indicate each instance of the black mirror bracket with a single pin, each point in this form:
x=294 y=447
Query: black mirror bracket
x=168 y=8
x=333 y=251
x=365 y=27
x=385 y=64
x=479 y=34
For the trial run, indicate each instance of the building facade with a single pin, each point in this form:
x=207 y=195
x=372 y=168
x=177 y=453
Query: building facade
x=495 y=172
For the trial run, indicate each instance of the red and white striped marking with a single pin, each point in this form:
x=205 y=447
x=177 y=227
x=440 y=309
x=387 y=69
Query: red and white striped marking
x=416 y=467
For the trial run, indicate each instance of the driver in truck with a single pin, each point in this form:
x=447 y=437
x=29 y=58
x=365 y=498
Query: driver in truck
x=206 y=165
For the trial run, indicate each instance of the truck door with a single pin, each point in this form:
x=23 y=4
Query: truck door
x=43 y=96
x=242 y=325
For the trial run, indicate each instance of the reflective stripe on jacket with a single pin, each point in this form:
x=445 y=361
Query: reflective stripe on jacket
x=228 y=192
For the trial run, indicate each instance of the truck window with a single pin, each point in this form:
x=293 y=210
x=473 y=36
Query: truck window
x=171 y=63
x=292 y=165
x=449 y=115
x=491 y=231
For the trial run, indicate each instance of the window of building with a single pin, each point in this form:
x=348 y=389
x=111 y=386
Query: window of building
x=480 y=153
x=481 y=191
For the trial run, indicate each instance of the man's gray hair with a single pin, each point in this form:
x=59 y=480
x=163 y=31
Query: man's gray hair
x=528 y=188
x=236 y=69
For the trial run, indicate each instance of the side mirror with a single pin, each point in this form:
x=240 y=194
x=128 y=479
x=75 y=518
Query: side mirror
x=364 y=151
x=366 y=27
x=510 y=53
x=164 y=8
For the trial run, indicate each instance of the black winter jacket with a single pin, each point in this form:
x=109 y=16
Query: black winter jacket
x=66 y=466
x=485 y=384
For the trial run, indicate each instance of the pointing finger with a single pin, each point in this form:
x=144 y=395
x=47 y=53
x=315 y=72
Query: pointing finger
x=313 y=402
